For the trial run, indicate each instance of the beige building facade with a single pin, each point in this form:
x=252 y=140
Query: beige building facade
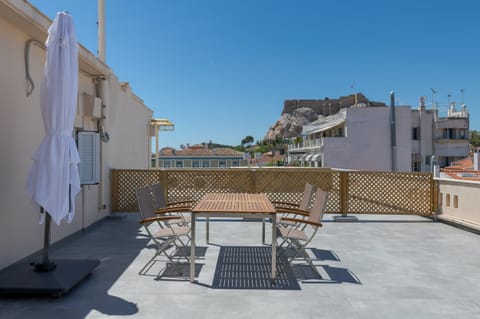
x=106 y=107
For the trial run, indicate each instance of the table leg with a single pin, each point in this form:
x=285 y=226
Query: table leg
x=192 y=248
x=208 y=230
x=274 y=247
x=263 y=231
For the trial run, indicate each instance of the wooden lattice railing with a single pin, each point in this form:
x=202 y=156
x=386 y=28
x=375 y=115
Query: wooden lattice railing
x=351 y=192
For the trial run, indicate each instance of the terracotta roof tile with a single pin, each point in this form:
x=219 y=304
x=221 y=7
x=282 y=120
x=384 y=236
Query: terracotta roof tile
x=462 y=170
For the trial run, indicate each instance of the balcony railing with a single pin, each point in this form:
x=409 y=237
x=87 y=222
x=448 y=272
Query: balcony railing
x=307 y=144
x=351 y=192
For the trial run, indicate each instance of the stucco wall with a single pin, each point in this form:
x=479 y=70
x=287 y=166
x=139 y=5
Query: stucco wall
x=458 y=201
x=22 y=130
x=367 y=144
x=403 y=119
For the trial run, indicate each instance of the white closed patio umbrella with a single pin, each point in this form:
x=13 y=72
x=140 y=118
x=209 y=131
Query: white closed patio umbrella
x=53 y=181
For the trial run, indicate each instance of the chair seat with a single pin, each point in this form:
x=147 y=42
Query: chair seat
x=292 y=233
x=167 y=232
x=286 y=222
x=186 y=219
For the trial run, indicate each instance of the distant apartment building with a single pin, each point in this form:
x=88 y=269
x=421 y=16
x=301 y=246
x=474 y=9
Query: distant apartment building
x=384 y=139
x=199 y=156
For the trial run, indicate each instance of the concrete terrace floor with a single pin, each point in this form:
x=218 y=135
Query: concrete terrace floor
x=379 y=267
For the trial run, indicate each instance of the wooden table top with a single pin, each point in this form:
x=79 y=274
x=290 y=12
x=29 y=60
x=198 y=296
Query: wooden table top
x=234 y=203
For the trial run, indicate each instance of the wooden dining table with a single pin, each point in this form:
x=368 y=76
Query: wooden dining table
x=242 y=205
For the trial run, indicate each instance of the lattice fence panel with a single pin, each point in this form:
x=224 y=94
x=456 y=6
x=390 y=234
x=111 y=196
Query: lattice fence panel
x=194 y=184
x=335 y=198
x=287 y=185
x=350 y=192
x=389 y=193
x=124 y=184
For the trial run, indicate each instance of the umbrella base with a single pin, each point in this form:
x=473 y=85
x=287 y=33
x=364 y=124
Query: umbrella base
x=41 y=267
x=24 y=279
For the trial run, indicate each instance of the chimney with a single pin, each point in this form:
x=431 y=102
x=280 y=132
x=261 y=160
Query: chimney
x=421 y=107
x=393 y=134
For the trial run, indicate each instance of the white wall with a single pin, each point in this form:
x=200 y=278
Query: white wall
x=21 y=131
x=367 y=144
x=403 y=119
x=459 y=202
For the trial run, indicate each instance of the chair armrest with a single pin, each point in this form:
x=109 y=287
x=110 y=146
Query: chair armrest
x=159 y=218
x=173 y=209
x=303 y=221
x=292 y=211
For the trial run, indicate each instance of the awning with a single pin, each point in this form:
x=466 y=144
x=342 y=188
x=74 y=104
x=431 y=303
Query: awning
x=308 y=157
x=316 y=157
x=162 y=124
x=325 y=123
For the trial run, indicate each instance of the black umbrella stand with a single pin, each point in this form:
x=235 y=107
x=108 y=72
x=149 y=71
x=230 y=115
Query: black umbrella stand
x=47 y=277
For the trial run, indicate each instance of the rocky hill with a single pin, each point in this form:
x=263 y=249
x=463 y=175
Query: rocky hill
x=297 y=113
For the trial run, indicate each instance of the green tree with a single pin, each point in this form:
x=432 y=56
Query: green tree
x=298 y=140
x=474 y=138
x=247 y=140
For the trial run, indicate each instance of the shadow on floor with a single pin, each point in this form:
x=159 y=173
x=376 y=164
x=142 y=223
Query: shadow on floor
x=162 y=269
x=114 y=260
x=243 y=267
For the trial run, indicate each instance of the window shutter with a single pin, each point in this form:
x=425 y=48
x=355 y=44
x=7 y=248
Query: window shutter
x=89 y=149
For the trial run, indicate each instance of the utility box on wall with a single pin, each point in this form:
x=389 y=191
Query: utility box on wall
x=92 y=106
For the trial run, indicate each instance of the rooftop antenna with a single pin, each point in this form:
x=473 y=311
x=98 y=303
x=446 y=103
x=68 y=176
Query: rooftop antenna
x=449 y=96
x=434 y=106
x=461 y=91
x=433 y=98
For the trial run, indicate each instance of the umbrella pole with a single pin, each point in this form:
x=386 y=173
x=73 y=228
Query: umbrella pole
x=46 y=264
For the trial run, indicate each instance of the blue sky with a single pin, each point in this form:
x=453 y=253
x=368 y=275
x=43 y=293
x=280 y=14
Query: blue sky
x=221 y=69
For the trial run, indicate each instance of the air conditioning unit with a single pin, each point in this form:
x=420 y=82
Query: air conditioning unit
x=92 y=106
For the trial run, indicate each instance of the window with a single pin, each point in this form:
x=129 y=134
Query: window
x=235 y=163
x=205 y=164
x=449 y=133
x=415 y=166
x=89 y=150
x=196 y=164
x=452 y=133
x=222 y=163
x=427 y=160
x=416 y=133
x=178 y=164
x=166 y=163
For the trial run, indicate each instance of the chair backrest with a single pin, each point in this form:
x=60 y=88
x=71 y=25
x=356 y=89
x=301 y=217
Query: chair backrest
x=146 y=206
x=319 y=204
x=306 y=197
x=158 y=193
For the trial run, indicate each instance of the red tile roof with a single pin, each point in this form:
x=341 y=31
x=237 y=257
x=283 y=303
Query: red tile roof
x=462 y=170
